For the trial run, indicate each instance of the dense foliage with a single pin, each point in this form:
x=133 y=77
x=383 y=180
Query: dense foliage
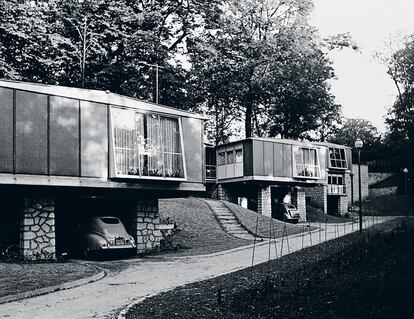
x=399 y=142
x=255 y=67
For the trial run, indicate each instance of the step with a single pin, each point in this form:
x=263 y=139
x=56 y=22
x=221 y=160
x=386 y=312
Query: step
x=238 y=232
x=221 y=211
x=229 y=221
x=226 y=217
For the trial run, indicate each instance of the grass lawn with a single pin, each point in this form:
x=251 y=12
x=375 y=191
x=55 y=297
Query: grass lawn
x=200 y=232
x=23 y=277
x=355 y=276
x=249 y=218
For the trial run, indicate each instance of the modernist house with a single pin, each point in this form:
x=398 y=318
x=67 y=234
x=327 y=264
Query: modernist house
x=259 y=172
x=262 y=172
x=69 y=153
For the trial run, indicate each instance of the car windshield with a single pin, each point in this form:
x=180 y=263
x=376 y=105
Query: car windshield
x=110 y=220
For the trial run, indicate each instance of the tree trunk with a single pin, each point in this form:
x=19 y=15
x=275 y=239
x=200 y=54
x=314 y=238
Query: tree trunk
x=248 y=121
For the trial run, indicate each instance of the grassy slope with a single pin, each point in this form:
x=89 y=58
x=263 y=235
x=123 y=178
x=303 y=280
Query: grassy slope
x=314 y=214
x=248 y=219
x=200 y=232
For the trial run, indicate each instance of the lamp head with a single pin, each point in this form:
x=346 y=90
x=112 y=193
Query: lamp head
x=405 y=170
x=358 y=144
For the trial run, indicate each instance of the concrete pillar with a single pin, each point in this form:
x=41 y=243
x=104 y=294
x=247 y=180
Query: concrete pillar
x=147 y=221
x=342 y=205
x=224 y=193
x=264 y=201
x=348 y=186
x=37 y=229
x=299 y=200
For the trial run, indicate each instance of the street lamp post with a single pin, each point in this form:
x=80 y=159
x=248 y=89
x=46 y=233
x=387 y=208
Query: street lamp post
x=405 y=171
x=358 y=146
x=157 y=67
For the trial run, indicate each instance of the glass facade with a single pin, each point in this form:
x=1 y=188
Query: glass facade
x=306 y=162
x=146 y=145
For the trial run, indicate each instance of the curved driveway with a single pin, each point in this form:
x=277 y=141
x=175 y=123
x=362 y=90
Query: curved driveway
x=149 y=276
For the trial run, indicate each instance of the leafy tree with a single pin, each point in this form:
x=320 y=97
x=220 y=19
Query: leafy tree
x=262 y=65
x=352 y=129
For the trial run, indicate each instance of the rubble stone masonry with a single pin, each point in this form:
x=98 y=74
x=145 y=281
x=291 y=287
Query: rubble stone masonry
x=264 y=201
x=37 y=229
x=299 y=200
x=147 y=221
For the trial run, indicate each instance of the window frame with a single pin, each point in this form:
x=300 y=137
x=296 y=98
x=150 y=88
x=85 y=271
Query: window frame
x=335 y=159
x=317 y=165
x=219 y=163
x=112 y=148
x=235 y=155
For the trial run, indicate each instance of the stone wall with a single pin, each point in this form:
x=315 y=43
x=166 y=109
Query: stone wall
x=318 y=196
x=37 y=229
x=384 y=191
x=147 y=220
x=364 y=181
x=264 y=201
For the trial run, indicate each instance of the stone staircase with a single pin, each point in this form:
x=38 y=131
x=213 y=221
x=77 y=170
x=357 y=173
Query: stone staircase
x=228 y=221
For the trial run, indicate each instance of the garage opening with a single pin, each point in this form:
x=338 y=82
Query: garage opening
x=73 y=214
x=332 y=205
x=10 y=209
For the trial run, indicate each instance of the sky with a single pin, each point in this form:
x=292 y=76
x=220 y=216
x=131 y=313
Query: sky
x=362 y=86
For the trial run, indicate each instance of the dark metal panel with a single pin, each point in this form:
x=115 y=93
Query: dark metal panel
x=268 y=158
x=278 y=159
x=6 y=130
x=248 y=158
x=31 y=133
x=258 y=167
x=193 y=148
x=287 y=161
x=94 y=140
x=64 y=136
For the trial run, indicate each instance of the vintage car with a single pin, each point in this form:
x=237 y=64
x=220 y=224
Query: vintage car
x=286 y=212
x=103 y=233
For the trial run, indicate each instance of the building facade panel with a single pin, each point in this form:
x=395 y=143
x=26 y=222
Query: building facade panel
x=6 y=130
x=193 y=148
x=31 y=133
x=94 y=139
x=64 y=136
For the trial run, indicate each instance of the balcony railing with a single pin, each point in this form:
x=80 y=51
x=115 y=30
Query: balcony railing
x=336 y=189
x=211 y=172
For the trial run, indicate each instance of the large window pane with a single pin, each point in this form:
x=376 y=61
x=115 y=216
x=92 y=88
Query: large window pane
x=306 y=162
x=337 y=158
x=147 y=145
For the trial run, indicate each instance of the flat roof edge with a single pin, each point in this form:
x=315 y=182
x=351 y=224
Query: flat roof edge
x=97 y=96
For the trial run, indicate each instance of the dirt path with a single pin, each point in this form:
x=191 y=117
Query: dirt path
x=144 y=277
